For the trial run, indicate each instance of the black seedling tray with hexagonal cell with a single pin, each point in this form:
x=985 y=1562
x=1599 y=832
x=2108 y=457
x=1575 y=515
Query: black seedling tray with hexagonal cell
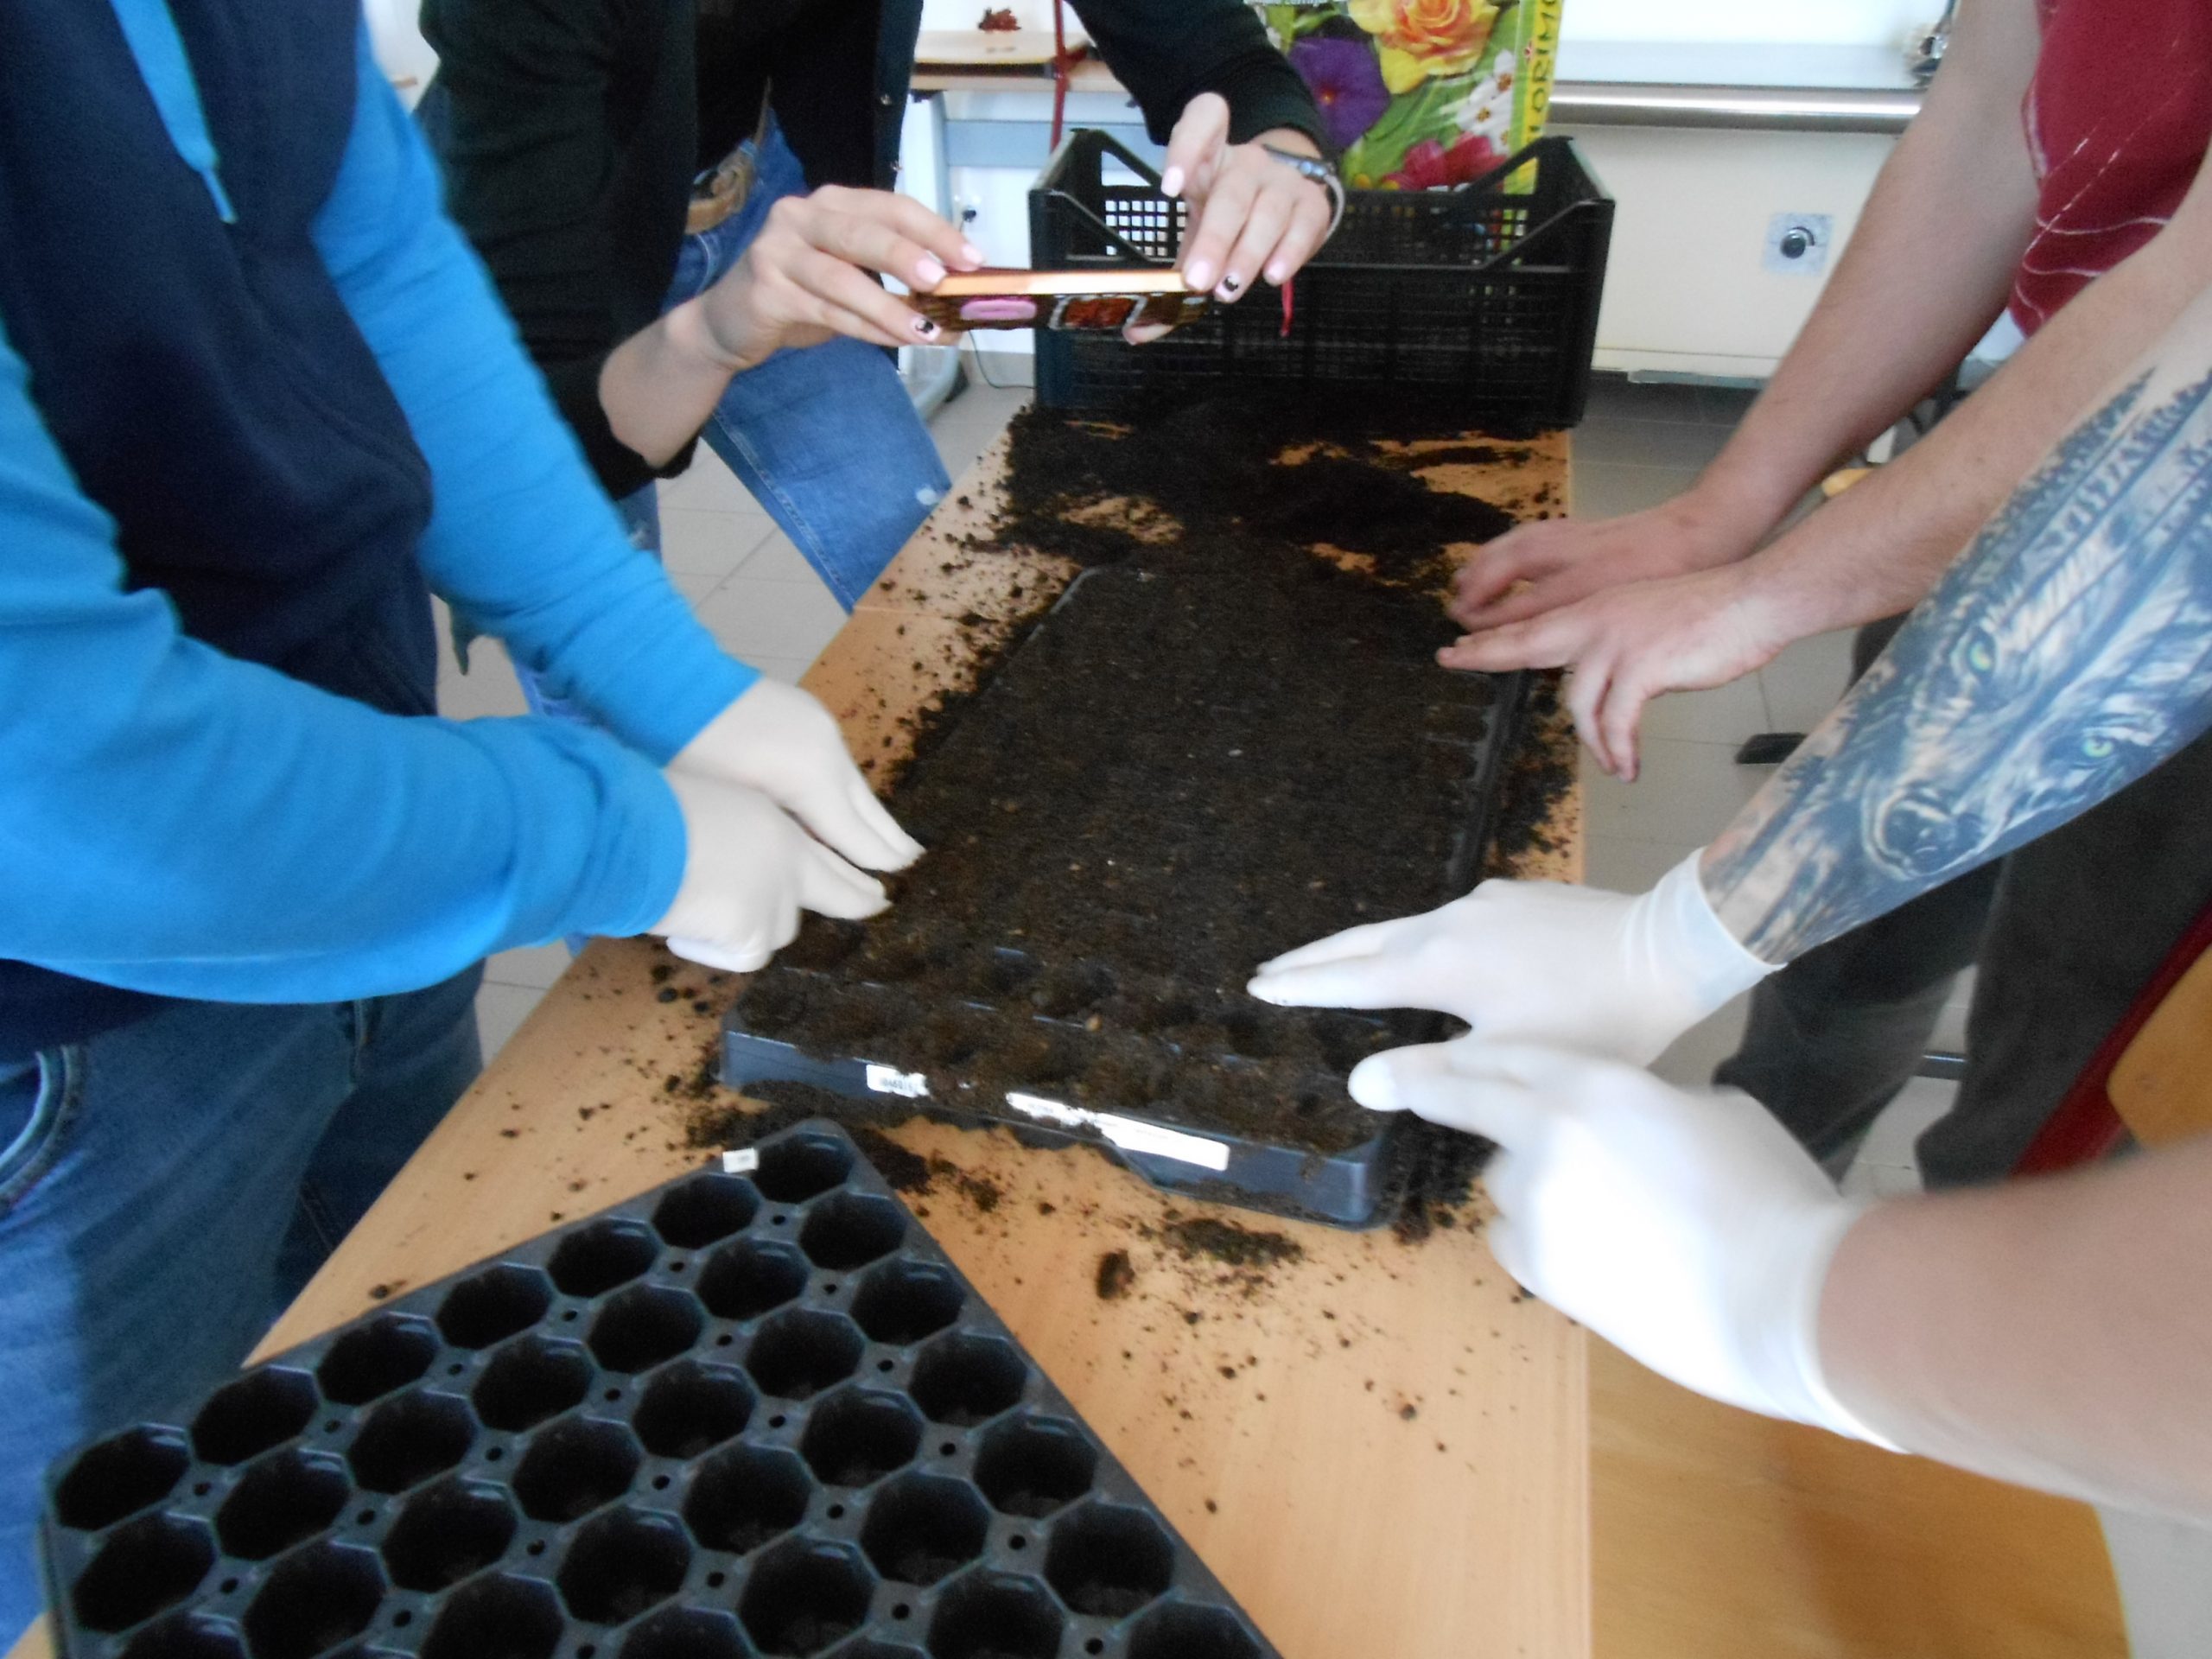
x=745 y=1415
x=1124 y=822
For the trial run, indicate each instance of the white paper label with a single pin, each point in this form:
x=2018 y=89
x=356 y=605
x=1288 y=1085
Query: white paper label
x=1127 y=1132
x=1132 y=1136
x=741 y=1163
x=1050 y=1111
x=890 y=1080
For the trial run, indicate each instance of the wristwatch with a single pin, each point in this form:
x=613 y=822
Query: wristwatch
x=1313 y=168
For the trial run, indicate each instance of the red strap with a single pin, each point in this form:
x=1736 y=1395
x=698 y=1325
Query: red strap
x=1290 y=283
x=2087 y=1127
x=1063 y=60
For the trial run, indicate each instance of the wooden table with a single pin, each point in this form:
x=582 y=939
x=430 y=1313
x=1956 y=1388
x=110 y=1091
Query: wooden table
x=1380 y=1449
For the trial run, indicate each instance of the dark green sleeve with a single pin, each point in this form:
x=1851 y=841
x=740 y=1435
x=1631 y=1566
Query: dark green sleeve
x=522 y=117
x=1166 y=52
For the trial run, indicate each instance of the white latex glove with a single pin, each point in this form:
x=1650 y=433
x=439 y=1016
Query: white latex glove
x=781 y=741
x=1684 y=1226
x=748 y=870
x=1537 y=962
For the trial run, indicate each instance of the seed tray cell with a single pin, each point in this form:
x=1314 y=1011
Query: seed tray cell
x=1071 y=956
x=740 y=1417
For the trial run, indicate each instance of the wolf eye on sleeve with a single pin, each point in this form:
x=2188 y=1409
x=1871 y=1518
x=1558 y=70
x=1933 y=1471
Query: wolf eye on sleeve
x=2067 y=653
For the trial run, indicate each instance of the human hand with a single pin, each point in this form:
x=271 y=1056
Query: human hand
x=1537 y=962
x=1250 y=215
x=805 y=278
x=1684 y=1226
x=1628 y=644
x=777 y=738
x=748 y=871
x=1563 y=560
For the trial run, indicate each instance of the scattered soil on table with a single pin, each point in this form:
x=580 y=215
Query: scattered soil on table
x=1228 y=737
x=1457 y=455
x=1226 y=1241
x=902 y=1171
x=1539 y=770
x=1116 y=1276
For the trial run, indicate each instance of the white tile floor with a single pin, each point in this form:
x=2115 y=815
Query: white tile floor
x=1640 y=446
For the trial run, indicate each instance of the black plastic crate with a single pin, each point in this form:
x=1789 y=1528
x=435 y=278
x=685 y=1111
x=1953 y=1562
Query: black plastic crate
x=1477 y=302
x=746 y=1415
x=1075 y=1040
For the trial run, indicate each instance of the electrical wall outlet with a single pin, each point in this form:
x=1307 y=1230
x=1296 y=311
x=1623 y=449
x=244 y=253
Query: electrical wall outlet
x=1798 y=242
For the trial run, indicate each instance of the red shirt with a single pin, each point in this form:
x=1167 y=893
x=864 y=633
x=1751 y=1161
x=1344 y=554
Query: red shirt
x=2118 y=118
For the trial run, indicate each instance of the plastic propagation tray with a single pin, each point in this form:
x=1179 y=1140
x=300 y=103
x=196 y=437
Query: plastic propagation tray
x=1125 y=1036
x=1481 y=300
x=743 y=1415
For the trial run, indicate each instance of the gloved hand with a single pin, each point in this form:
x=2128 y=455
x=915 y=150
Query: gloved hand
x=1537 y=962
x=779 y=740
x=1684 y=1226
x=748 y=870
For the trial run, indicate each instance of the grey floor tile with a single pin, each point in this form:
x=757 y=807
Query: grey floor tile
x=501 y=1010
x=1727 y=405
x=1726 y=714
x=696 y=584
x=535 y=966
x=786 y=669
x=1616 y=398
x=1688 y=1064
x=704 y=541
x=779 y=620
x=2165 y=1569
x=1950 y=1036
x=777 y=558
x=1805 y=680
x=1648 y=443
x=488 y=689
x=1686 y=793
x=1607 y=491
x=1627 y=865
x=707 y=484
x=1921 y=1102
x=1868 y=1180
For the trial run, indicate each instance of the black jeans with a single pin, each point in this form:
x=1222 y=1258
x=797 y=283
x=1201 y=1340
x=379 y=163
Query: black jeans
x=2067 y=930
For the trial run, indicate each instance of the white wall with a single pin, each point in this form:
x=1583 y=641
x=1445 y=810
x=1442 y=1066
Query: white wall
x=1811 y=22
x=1818 y=23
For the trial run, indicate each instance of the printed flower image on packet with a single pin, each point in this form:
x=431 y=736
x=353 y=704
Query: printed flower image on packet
x=1422 y=94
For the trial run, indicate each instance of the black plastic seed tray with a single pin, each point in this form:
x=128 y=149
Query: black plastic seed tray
x=1135 y=1094
x=745 y=1415
x=1481 y=302
x=1123 y=1023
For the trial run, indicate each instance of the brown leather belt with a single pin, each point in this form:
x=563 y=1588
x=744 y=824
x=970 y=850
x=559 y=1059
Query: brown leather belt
x=721 y=191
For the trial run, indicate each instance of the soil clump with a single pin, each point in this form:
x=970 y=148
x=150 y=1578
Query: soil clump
x=1116 y=1276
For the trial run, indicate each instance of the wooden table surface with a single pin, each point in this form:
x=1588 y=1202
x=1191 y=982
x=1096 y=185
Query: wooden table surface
x=1380 y=1448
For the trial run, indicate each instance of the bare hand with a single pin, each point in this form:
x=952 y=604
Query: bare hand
x=1250 y=215
x=1563 y=560
x=1630 y=643
x=804 y=279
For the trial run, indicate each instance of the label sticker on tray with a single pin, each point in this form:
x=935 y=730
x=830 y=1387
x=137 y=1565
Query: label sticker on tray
x=741 y=1163
x=1127 y=1133
x=890 y=1080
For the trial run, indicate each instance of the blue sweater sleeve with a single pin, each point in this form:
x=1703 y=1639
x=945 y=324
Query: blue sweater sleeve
x=521 y=541
x=177 y=821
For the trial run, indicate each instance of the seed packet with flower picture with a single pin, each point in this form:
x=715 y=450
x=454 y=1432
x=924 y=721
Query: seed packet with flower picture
x=1422 y=94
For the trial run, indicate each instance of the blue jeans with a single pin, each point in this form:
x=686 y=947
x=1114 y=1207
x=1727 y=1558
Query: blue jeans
x=168 y=1187
x=824 y=436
